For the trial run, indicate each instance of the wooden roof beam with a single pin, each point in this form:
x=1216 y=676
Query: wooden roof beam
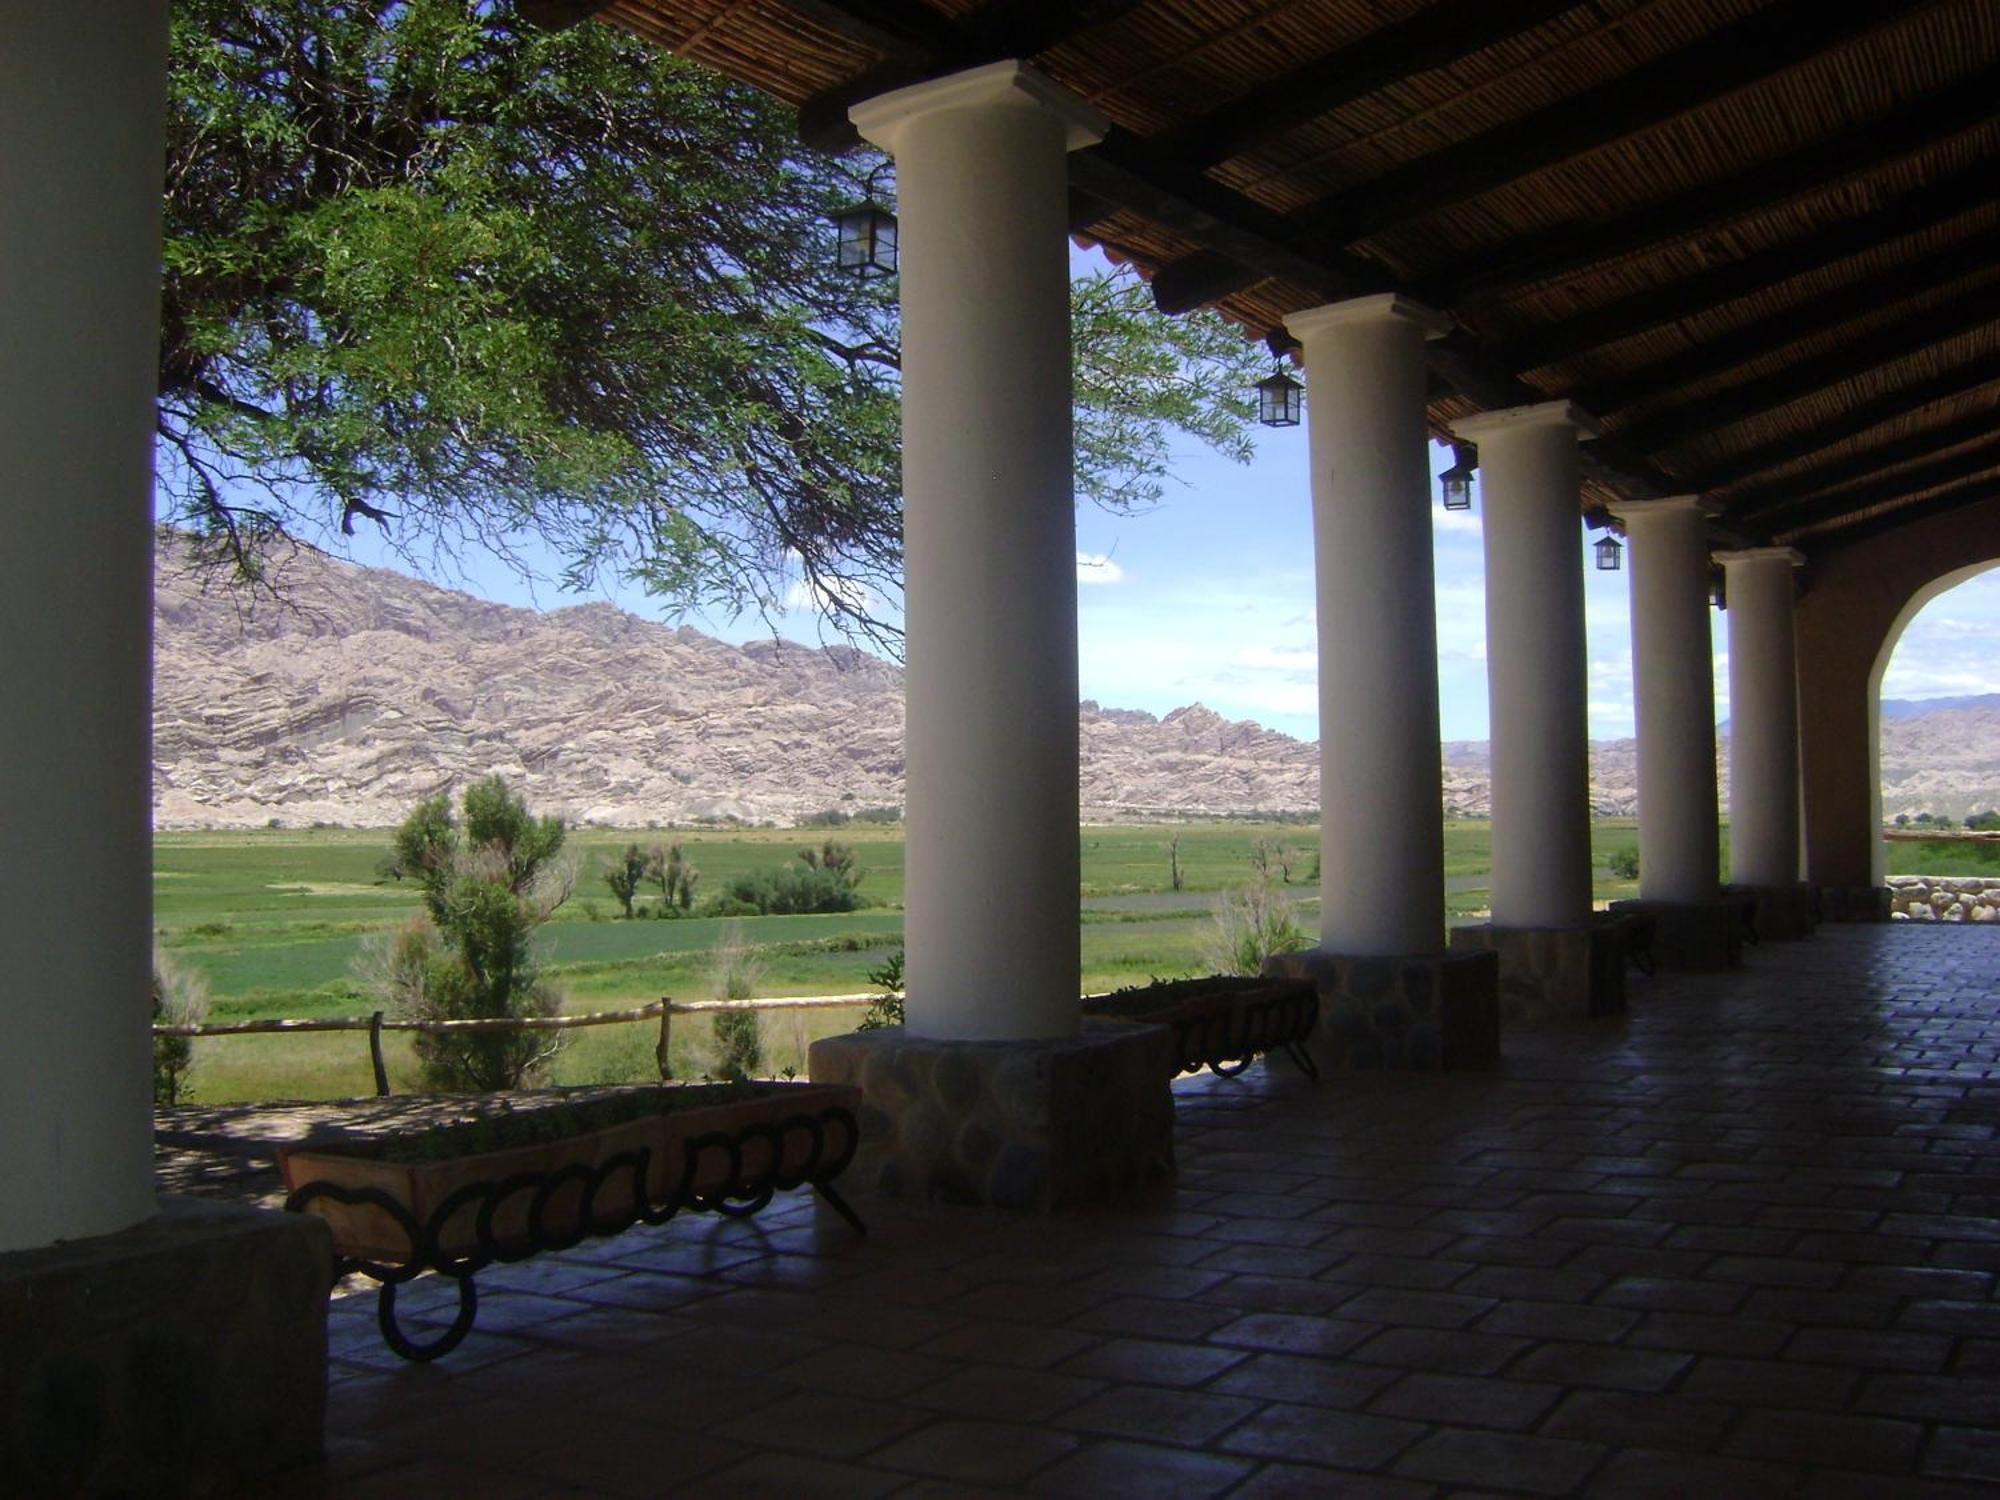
x=1972 y=310
x=1793 y=515
x=1865 y=464
x=1435 y=37
x=1763 y=44
x=1977 y=492
x=1899 y=218
x=1566 y=249
x=1791 y=325
x=917 y=42
x=1973 y=375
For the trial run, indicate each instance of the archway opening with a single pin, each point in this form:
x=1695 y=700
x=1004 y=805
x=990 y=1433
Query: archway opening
x=1934 y=712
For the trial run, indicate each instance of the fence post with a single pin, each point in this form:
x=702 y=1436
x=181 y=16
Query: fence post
x=375 y=1055
x=666 y=1036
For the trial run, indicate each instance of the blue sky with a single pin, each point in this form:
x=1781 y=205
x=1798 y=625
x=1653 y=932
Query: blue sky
x=1208 y=598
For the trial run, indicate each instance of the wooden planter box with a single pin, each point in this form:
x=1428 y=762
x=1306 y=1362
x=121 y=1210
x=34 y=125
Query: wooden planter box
x=393 y=1220
x=1222 y=1022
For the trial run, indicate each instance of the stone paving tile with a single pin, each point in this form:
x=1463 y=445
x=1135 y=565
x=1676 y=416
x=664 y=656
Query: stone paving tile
x=1742 y=1241
x=1530 y=1465
x=1122 y=1468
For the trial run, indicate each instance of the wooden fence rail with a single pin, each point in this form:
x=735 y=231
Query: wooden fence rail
x=664 y=1010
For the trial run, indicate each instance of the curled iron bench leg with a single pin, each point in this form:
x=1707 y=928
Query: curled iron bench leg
x=749 y=1190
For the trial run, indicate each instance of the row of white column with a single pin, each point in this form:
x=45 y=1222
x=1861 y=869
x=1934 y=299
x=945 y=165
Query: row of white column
x=989 y=535
x=992 y=847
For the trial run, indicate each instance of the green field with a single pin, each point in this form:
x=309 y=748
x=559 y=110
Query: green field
x=274 y=920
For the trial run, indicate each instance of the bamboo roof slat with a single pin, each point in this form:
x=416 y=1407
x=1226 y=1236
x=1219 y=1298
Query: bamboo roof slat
x=1672 y=265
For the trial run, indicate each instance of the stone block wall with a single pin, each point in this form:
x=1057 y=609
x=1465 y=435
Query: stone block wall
x=1025 y=1125
x=1944 y=898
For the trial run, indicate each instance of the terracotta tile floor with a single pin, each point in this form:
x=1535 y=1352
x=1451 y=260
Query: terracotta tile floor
x=1741 y=1243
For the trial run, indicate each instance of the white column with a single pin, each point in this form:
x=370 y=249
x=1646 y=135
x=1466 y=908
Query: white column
x=82 y=92
x=1536 y=684
x=1763 y=717
x=1673 y=681
x=1380 y=785
x=989 y=531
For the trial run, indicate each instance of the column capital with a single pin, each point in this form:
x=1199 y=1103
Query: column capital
x=1629 y=511
x=1519 y=418
x=1382 y=307
x=1012 y=82
x=1790 y=555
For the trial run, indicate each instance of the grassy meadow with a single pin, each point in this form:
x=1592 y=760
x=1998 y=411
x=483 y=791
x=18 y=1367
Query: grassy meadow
x=276 y=921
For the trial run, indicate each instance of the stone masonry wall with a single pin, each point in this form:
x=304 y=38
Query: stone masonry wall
x=1944 y=898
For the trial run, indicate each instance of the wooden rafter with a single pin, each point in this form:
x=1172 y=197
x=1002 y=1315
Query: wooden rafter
x=1774 y=453
x=1765 y=43
x=917 y=42
x=1795 y=515
x=1865 y=464
x=1567 y=249
x=1764 y=336
x=1976 y=309
x=1814 y=248
x=1439 y=35
x=1977 y=492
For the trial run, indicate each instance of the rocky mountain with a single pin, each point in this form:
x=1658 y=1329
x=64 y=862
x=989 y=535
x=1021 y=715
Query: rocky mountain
x=360 y=691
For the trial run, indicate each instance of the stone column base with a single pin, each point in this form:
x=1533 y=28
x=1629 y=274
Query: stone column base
x=1782 y=913
x=1029 y=1125
x=1692 y=934
x=1553 y=973
x=184 y=1356
x=1854 y=903
x=1423 y=1012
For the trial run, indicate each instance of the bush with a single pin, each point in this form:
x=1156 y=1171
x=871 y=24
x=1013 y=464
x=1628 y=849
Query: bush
x=798 y=888
x=1251 y=925
x=1623 y=862
x=739 y=1051
x=180 y=998
x=488 y=882
x=887 y=1008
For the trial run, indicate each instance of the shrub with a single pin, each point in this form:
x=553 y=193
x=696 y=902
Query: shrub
x=624 y=875
x=180 y=998
x=797 y=888
x=489 y=880
x=1251 y=925
x=736 y=975
x=887 y=1008
x=1623 y=862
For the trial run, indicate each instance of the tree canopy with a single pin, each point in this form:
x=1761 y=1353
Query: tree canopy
x=433 y=268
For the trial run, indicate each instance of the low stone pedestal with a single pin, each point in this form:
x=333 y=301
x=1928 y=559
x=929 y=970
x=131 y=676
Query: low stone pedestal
x=1035 y=1125
x=1781 y=913
x=1553 y=973
x=1854 y=903
x=1423 y=1012
x=1692 y=935
x=183 y=1357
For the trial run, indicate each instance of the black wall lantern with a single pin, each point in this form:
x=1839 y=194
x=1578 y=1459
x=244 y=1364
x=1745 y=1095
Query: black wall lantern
x=1718 y=589
x=867 y=230
x=1278 y=400
x=1456 y=481
x=1609 y=554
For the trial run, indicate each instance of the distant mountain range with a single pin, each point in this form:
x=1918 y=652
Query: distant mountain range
x=360 y=691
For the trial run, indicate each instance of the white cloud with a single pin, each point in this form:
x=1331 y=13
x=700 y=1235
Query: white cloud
x=805 y=595
x=1097 y=567
x=1456 y=523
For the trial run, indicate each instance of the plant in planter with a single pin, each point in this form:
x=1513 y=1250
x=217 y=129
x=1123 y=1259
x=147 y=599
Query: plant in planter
x=505 y=1182
x=1221 y=1022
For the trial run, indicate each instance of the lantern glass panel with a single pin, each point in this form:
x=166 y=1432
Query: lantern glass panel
x=1278 y=401
x=1457 y=490
x=1609 y=554
x=867 y=240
